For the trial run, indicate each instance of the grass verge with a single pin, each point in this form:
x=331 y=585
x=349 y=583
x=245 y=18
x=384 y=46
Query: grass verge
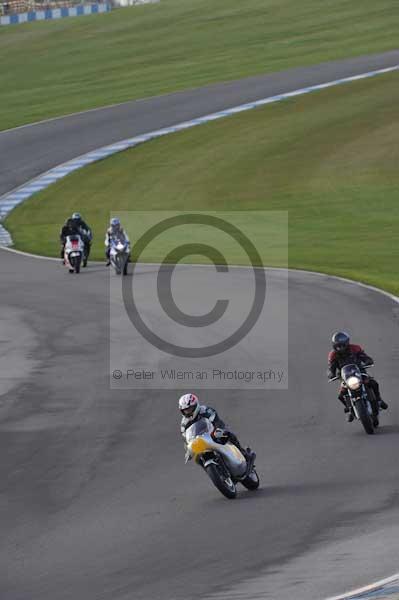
x=330 y=159
x=58 y=67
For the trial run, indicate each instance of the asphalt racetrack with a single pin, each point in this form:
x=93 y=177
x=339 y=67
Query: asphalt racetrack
x=96 y=502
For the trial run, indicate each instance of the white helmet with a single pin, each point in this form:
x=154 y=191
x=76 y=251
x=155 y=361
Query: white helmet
x=189 y=406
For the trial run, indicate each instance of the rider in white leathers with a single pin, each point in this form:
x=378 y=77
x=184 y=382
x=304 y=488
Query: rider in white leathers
x=192 y=411
x=114 y=230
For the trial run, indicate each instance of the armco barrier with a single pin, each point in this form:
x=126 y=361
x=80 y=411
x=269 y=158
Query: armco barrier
x=55 y=13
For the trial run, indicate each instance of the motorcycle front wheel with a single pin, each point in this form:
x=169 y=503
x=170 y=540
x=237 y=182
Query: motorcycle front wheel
x=125 y=266
x=373 y=401
x=224 y=484
x=77 y=262
x=118 y=265
x=364 y=417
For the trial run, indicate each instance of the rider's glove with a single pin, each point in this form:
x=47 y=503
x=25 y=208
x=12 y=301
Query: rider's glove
x=331 y=374
x=220 y=435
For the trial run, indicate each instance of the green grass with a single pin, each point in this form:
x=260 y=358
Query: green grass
x=54 y=68
x=330 y=159
x=266 y=231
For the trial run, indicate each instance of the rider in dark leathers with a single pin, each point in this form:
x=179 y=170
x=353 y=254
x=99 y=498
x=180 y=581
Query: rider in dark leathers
x=345 y=353
x=85 y=233
x=70 y=227
x=189 y=403
x=76 y=226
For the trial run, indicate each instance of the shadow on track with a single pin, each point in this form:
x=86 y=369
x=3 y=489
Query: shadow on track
x=389 y=429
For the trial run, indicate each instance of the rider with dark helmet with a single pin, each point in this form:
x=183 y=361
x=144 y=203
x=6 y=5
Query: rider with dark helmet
x=344 y=353
x=70 y=227
x=86 y=234
x=76 y=226
x=192 y=411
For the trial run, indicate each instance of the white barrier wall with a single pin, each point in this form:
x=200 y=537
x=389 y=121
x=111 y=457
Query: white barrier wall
x=55 y=13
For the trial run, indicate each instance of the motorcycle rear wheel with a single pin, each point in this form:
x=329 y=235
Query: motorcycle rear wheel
x=225 y=485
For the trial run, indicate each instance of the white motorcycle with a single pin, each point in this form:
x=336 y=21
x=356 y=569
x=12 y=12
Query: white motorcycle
x=73 y=253
x=119 y=255
x=223 y=462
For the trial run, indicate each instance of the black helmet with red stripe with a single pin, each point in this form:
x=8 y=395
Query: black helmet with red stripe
x=340 y=342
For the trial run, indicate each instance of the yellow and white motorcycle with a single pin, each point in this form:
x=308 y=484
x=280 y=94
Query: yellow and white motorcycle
x=222 y=461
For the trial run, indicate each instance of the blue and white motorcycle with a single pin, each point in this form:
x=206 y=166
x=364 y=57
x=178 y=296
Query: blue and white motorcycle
x=119 y=254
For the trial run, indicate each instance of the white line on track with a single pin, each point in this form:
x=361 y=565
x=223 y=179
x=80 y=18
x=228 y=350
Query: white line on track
x=29 y=255
x=87 y=111
x=315 y=273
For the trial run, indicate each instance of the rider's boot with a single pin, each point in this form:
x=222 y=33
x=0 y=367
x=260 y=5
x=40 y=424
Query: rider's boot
x=348 y=410
x=247 y=452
